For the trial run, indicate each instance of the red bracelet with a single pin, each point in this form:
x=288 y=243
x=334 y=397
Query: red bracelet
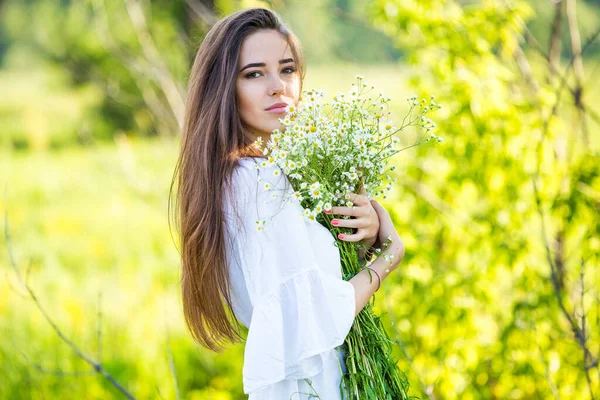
x=378 y=277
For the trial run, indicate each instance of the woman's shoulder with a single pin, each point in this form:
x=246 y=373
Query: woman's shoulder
x=246 y=171
x=256 y=179
x=247 y=177
x=259 y=169
x=252 y=163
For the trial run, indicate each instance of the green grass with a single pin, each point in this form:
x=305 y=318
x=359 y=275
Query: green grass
x=90 y=222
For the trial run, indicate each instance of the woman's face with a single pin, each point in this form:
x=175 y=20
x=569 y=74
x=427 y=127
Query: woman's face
x=267 y=76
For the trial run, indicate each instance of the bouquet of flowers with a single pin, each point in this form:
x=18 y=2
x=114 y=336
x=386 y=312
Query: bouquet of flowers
x=327 y=150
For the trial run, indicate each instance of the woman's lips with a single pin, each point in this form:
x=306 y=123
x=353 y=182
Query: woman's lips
x=277 y=110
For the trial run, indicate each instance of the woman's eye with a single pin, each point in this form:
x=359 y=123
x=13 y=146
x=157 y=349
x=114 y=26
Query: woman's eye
x=288 y=70
x=251 y=74
x=254 y=74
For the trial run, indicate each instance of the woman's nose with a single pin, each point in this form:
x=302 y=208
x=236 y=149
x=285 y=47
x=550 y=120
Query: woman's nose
x=277 y=86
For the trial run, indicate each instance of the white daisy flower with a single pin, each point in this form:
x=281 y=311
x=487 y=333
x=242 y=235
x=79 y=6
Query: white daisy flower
x=319 y=207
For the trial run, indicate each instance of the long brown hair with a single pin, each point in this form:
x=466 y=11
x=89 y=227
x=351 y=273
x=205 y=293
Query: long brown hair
x=213 y=141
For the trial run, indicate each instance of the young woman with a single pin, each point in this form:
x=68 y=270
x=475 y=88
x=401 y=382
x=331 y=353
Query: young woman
x=282 y=282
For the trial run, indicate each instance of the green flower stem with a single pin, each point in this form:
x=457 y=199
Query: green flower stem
x=372 y=373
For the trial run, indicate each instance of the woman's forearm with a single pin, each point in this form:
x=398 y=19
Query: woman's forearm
x=364 y=286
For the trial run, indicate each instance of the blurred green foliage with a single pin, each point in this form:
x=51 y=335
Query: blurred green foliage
x=474 y=301
x=478 y=302
x=124 y=64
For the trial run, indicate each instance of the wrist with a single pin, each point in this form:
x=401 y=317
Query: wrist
x=378 y=270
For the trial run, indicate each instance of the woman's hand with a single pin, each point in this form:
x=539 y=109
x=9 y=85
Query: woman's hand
x=387 y=230
x=365 y=219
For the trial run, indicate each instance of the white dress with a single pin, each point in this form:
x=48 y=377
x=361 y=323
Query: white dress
x=287 y=288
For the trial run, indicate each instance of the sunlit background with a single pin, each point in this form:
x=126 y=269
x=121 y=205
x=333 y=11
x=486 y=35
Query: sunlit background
x=498 y=294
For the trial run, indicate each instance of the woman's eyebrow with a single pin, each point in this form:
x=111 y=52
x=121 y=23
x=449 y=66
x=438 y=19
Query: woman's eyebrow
x=284 y=61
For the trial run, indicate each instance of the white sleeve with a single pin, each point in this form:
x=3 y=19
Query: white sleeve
x=300 y=313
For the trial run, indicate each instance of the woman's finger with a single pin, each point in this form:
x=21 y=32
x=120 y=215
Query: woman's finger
x=351 y=237
x=351 y=211
x=358 y=223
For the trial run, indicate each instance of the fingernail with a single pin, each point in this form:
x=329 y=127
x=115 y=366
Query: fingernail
x=327 y=211
x=340 y=236
x=334 y=222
